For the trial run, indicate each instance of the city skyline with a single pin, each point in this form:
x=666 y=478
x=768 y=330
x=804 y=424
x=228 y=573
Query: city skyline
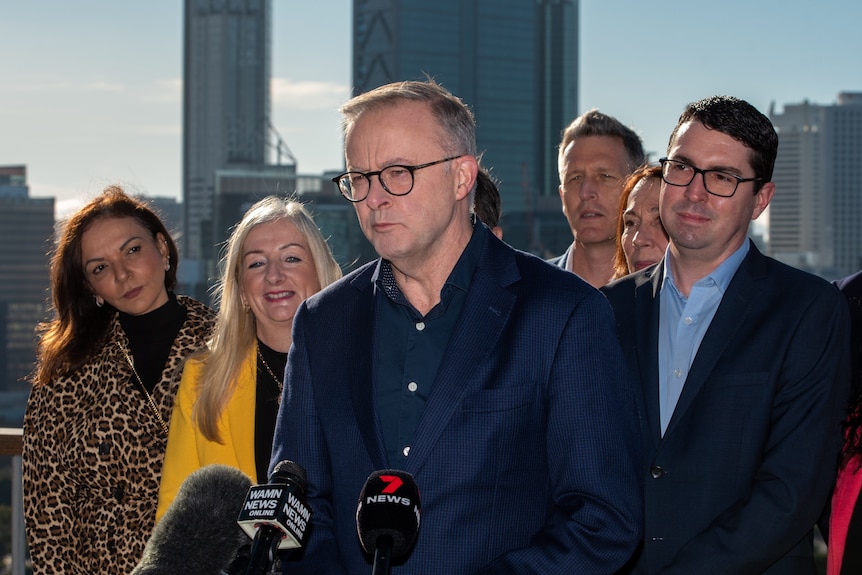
x=92 y=94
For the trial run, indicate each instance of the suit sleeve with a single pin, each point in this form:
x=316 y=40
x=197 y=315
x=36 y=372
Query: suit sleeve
x=593 y=452
x=799 y=459
x=181 y=455
x=298 y=431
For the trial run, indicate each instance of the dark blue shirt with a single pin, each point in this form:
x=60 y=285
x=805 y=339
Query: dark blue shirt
x=410 y=347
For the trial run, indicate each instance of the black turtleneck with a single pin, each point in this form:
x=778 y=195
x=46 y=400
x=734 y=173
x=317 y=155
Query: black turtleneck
x=151 y=336
x=266 y=405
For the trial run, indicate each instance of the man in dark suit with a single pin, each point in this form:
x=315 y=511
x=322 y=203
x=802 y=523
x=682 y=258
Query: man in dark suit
x=742 y=363
x=492 y=377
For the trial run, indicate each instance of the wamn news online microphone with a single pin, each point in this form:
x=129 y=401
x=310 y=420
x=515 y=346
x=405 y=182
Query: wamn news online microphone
x=275 y=515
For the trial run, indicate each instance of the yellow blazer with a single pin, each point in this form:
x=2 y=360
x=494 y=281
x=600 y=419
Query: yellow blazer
x=188 y=450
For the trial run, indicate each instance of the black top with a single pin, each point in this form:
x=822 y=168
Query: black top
x=266 y=405
x=150 y=339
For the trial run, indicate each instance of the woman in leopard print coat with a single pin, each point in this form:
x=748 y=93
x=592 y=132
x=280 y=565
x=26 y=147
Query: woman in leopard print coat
x=104 y=386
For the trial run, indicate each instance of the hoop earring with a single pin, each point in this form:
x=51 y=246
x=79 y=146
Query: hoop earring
x=99 y=301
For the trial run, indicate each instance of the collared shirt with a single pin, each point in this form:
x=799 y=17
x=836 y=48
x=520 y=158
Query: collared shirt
x=683 y=323
x=410 y=347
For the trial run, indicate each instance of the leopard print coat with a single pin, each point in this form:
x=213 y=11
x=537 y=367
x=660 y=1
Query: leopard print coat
x=93 y=452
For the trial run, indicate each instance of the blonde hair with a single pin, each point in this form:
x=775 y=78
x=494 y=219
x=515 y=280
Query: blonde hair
x=235 y=335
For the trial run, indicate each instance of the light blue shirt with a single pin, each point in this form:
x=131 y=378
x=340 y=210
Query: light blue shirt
x=683 y=323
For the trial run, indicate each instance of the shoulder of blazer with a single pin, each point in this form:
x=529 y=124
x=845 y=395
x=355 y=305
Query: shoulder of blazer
x=850 y=286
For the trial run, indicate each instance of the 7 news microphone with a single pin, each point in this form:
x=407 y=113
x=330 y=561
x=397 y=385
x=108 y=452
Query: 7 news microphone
x=387 y=517
x=275 y=515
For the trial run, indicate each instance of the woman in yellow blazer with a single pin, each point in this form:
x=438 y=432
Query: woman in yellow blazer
x=228 y=397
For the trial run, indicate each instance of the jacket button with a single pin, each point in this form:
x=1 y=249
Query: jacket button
x=118 y=493
x=656 y=471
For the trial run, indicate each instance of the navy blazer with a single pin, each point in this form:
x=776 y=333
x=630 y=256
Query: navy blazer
x=526 y=453
x=749 y=456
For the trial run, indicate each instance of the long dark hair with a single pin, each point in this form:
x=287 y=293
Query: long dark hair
x=79 y=326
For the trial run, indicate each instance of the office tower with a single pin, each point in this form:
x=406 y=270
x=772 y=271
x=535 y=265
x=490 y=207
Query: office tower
x=814 y=216
x=515 y=63
x=26 y=233
x=225 y=114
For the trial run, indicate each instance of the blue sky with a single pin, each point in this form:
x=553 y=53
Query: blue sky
x=90 y=91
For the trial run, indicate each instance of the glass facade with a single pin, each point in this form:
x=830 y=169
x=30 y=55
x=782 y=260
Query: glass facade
x=225 y=109
x=514 y=63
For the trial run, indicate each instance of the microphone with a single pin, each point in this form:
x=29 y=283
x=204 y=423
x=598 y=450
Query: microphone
x=387 y=517
x=275 y=515
x=197 y=534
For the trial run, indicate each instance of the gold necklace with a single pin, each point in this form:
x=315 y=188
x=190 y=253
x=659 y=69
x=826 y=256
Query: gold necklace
x=278 y=382
x=147 y=393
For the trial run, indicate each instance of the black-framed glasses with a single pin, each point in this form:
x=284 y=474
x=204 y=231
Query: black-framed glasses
x=397 y=180
x=716 y=182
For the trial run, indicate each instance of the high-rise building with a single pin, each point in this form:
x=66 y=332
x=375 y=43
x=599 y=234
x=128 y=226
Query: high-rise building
x=515 y=63
x=26 y=232
x=226 y=121
x=814 y=216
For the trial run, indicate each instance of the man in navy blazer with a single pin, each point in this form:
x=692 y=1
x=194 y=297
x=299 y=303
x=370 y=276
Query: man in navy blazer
x=742 y=362
x=492 y=377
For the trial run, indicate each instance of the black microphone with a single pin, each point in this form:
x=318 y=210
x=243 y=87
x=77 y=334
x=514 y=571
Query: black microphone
x=275 y=515
x=198 y=534
x=387 y=517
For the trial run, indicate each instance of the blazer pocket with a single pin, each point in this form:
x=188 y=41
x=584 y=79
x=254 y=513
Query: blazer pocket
x=499 y=399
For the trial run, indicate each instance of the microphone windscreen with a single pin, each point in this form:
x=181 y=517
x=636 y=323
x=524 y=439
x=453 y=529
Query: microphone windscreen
x=198 y=534
x=388 y=505
x=286 y=470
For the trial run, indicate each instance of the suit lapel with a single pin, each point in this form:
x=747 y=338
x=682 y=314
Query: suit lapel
x=647 y=310
x=731 y=313
x=362 y=382
x=483 y=319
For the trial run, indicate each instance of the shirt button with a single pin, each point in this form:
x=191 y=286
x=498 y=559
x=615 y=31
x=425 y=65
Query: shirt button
x=677 y=372
x=420 y=326
x=406 y=451
x=687 y=321
x=412 y=386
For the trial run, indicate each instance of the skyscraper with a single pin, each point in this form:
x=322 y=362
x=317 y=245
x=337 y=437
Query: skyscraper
x=814 y=216
x=515 y=63
x=26 y=231
x=225 y=112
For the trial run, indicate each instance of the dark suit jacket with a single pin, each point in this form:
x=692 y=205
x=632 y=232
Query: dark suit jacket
x=527 y=450
x=749 y=456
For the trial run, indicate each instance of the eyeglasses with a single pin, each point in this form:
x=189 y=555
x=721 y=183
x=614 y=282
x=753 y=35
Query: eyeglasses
x=397 y=180
x=716 y=182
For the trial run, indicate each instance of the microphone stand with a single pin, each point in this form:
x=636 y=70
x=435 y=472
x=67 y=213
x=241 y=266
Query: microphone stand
x=382 y=555
x=263 y=550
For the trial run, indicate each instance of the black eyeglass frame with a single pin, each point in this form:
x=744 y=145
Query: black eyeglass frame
x=695 y=171
x=368 y=175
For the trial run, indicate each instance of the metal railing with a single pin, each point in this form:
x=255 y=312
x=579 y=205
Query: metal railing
x=11 y=442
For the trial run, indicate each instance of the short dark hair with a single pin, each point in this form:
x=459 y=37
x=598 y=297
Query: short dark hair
x=742 y=122
x=595 y=123
x=486 y=201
